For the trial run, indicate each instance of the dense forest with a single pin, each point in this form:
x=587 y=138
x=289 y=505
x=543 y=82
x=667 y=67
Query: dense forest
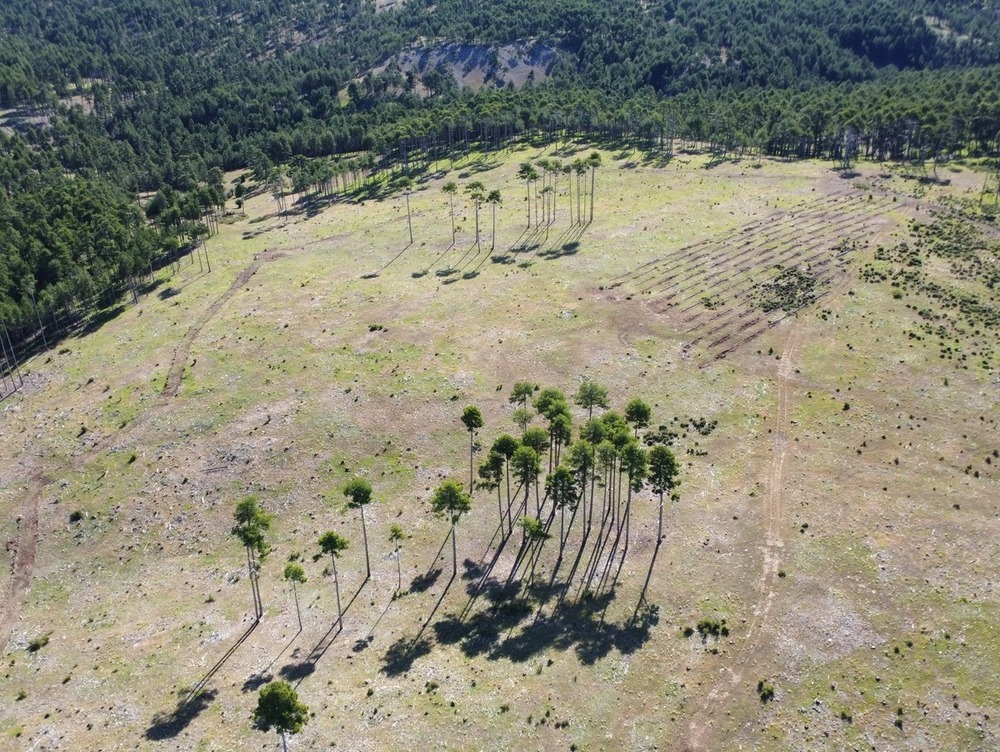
x=105 y=100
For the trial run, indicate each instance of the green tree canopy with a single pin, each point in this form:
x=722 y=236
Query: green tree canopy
x=278 y=707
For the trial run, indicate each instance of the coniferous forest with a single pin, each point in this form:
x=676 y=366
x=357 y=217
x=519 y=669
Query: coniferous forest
x=119 y=117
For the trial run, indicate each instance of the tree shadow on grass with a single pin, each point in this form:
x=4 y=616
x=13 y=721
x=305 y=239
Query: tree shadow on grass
x=400 y=656
x=296 y=672
x=567 y=249
x=256 y=681
x=169 y=725
x=424 y=582
x=502 y=631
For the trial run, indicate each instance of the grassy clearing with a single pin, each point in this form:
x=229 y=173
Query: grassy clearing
x=314 y=371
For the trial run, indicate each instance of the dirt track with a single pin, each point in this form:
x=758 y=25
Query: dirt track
x=27 y=533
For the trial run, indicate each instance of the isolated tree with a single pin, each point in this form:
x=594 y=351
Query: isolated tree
x=637 y=414
x=333 y=544
x=543 y=165
x=473 y=420
x=567 y=170
x=606 y=458
x=277 y=181
x=451 y=188
x=546 y=215
x=451 y=501
x=295 y=574
x=494 y=199
x=593 y=162
x=252 y=523
x=278 y=708
x=533 y=529
x=591 y=395
x=359 y=494
x=663 y=471
x=477 y=194
x=396 y=537
x=534 y=534
x=406 y=183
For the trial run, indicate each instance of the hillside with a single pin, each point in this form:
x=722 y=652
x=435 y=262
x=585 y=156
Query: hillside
x=663 y=333
x=145 y=96
x=831 y=538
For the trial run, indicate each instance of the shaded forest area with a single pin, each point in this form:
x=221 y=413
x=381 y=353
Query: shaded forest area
x=104 y=101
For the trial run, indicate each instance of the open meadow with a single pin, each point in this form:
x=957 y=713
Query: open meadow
x=827 y=579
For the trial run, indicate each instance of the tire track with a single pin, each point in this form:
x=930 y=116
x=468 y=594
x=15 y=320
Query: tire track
x=180 y=357
x=25 y=544
x=699 y=729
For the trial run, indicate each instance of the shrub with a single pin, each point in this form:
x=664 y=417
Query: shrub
x=765 y=691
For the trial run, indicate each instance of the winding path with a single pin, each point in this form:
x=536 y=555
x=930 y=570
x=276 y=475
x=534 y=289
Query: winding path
x=25 y=543
x=700 y=730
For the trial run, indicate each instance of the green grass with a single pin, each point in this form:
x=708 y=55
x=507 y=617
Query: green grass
x=153 y=590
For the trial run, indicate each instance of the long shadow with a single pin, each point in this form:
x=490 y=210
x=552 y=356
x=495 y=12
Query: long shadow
x=427 y=269
x=649 y=574
x=460 y=264
x=262 y=677
x=423 y=582
x=388 y=263
x=365 y=641
x=196 y=690
x=437 y=605
x=590 y=569
x=297 y=672
x=169 y=725
x=400 y=656
x=581 y=627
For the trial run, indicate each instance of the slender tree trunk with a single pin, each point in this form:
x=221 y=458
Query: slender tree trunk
x=284 y=741
x=451 y=200
x=569 y=200
x=364 y=534
x=409 y=221
x=399 y=569
x=454 y=552
x=528 y=186
x=579 y=213
x=471 y=447
x=500 y=507
x=510 y=521
x=493 y=245
x=659 y=536
x=298 y=612
x=593 y=173
x=336 y=587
